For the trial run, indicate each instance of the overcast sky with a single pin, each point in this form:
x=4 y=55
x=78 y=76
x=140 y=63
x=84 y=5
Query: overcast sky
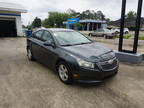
x=40 y=8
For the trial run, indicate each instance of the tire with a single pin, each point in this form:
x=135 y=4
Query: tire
x=116 y=32
x=30 y=55
x=126 y=32
x=105 y=36
x=90 y=35
x=64 y=73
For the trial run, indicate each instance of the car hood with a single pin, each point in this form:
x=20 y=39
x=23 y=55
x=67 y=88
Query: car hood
x=90 y=52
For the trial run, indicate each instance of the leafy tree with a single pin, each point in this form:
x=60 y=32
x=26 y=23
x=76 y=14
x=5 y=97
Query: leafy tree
x=73 y=13
x=55 y=19
x=88 y=14
x=108 y=20
x=78 y=25
x=23 y=26
x=36 y=22
x=131 y=14
x=100 y=15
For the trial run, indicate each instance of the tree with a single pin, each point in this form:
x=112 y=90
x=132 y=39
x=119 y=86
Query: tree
x=36 y=22
x=131 y=14
x=78 y=25
x=108 y=20
x=55 y=19
x=87 y=14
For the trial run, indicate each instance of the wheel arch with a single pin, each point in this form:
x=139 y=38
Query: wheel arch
x=61 y=60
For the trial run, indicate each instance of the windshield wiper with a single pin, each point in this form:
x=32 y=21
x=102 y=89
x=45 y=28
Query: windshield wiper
x=76 y=44
x=67 y=45
x=83 y=43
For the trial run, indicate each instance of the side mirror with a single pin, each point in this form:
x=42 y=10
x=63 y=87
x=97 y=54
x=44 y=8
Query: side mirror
x=49 y=44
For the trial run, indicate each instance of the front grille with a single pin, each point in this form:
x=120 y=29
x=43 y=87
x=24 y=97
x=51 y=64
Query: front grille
x=106 y=66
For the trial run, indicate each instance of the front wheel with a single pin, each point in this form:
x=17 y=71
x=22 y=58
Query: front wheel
x=126 y=32
x=64 y=73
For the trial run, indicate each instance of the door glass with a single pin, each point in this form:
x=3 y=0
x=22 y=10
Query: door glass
x=38 y=34
x=47 y=36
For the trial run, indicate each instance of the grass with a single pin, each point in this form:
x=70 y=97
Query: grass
x=85 y=34
x=126 y=36
x=141 y=37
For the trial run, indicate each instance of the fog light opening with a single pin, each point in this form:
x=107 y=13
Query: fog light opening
x=75 y=75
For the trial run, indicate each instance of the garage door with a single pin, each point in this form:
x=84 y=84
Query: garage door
x=7 y=27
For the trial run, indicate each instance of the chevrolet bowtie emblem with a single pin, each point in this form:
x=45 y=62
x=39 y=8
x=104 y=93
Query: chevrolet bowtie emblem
x=110 y=61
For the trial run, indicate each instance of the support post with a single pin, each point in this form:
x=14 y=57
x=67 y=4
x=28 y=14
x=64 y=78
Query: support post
x=92 y=26
x=122 y=25
x=138 y=20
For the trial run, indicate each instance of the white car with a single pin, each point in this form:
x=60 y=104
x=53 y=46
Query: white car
x=117 y=30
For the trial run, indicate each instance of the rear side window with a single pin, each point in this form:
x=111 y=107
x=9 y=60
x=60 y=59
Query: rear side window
x=47 y=36
x=38 y=34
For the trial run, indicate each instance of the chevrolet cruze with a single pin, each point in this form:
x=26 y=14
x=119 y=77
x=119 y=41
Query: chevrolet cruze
x=72 y=55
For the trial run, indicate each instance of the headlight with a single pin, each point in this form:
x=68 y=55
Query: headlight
x=113 y=53
x=83 y=63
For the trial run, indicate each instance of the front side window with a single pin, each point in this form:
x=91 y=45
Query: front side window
x=38 y=34
x=47 y=36
x=70 y=38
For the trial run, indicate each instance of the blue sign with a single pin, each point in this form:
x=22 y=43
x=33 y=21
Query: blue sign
x=72 y=21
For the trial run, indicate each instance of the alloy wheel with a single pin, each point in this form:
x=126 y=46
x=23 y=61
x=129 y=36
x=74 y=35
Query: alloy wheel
x=63 y=72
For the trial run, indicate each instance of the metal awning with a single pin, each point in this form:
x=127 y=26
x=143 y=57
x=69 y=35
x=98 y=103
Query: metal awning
x=12 y=7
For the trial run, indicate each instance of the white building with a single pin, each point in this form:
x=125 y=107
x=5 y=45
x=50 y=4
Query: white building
x=10 y=19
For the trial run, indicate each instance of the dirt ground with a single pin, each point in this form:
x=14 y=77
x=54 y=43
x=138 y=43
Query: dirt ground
x=26 y=84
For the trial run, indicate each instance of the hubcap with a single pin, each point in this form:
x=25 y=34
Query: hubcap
x=63 y=72
x=29 y=54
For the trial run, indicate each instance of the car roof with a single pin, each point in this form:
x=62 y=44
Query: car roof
x=59 y=29
x=55 y=29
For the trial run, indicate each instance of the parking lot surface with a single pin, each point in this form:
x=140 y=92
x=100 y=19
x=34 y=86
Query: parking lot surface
x=26 y=84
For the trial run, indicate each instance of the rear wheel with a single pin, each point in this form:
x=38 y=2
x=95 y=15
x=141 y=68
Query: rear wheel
x=64 y=73
x=116 y=32
x=90 y=34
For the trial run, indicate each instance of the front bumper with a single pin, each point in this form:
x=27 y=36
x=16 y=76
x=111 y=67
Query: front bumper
x=95 y=76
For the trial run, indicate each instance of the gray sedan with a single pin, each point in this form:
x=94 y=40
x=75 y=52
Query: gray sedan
x=103 y=33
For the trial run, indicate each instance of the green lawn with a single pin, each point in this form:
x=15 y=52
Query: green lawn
x=125 y=36
x=141 y=37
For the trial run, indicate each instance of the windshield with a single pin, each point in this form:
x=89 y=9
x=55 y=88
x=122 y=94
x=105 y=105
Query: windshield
x=70 y=38
x=107 y=30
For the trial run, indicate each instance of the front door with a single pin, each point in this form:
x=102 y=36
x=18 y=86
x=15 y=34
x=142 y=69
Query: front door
x=48 y=55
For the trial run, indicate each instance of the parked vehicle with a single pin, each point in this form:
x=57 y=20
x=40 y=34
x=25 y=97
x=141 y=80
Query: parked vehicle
x=103 y=33
x=117 y=30
x=72 y=55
